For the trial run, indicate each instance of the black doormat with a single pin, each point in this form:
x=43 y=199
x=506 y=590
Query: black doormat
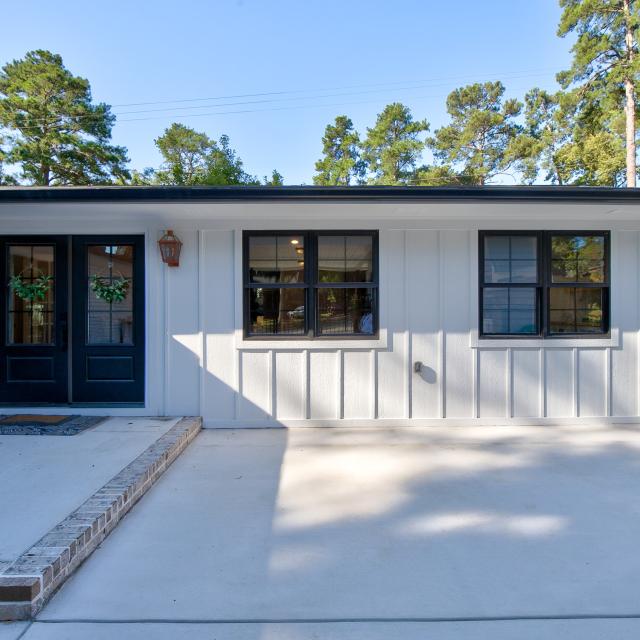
x=35 y=425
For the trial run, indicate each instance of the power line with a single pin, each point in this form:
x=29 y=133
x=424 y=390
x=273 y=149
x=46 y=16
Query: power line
x=89 y=117
x=290 y=108
x=357 y=86
x=290 y=98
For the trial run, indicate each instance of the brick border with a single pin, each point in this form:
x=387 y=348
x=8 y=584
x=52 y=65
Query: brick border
x=28 y=582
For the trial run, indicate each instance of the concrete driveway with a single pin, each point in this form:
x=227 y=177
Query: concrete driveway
x=436 y=533
x=44 y=478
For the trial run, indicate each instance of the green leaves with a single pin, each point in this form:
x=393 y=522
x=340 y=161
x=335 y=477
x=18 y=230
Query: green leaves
x=37 y=289
x=110 y=292
x=394 y=145
x=603 y=78
x=192 y=158
x=341 y=163
x=55 y=134
x=482 y=128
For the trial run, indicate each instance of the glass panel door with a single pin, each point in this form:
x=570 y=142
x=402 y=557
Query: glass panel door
x=31 y=294
x=33 y=320
x=110 y=294
x=108 y=319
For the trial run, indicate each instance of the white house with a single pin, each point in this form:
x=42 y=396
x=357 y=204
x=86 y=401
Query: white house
x=309 y=306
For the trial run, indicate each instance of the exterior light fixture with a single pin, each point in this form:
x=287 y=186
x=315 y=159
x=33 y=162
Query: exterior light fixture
x=170 y=246
x=295 y=241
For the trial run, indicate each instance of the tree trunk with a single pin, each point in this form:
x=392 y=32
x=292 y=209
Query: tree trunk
x=630 y=99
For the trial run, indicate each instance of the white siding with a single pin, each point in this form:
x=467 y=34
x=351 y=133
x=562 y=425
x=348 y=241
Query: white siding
x=428 y=303
x=526 y=383
x=183 y=346
x=492 y=383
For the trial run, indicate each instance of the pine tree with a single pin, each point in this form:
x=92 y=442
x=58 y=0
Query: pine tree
x=341 y=163
x=475 y=144
x=394 y=145
x=190 y=157
x=55 y=134
x=605 y=70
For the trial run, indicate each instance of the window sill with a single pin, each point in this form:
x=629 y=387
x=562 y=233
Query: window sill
x=611 y=341
x=317 y=344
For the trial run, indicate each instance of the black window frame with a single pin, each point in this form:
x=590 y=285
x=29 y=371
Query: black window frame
x=544 y=284
x=311 y=286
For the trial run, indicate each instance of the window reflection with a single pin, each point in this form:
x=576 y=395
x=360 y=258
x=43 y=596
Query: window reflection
x=277 y=311
x=110 y=322
x=346 y=311
x=276 y=259
x=31 y=321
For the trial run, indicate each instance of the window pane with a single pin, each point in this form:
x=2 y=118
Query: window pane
x=276 y=311
x=524 y=271
x=115 y=327
x=496 y=271
x=577 y=258
x=110 y=320
x=564 y=270
x=30 y=319
x=511 y=259
x=496 y=247
x=509 y=310
x=111 y=260
x=346 y=311
x=275 y=259
x=345 y=258
x=575 y=310
x=495 y=321
x=524 y=247
x=590 y=270
x=562 y=321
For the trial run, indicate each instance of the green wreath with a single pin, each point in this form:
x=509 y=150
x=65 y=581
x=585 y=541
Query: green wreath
x=116 y=291
x=35 y=290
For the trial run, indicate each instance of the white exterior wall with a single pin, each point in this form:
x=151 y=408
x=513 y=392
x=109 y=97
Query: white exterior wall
x=199 y=364
x=429 y=313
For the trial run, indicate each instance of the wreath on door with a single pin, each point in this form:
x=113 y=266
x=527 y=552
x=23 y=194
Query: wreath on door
x=114 y=291
x=37 y=289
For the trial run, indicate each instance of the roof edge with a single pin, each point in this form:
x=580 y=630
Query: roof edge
x=541 y=193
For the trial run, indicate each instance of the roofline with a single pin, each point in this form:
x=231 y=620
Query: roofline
x=141 y=194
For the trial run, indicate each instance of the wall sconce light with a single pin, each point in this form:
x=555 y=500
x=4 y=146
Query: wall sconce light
x=170 y=246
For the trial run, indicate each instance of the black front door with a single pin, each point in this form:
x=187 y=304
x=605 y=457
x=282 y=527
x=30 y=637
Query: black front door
x=76 y=338
x=108 y=319
x=34 y=320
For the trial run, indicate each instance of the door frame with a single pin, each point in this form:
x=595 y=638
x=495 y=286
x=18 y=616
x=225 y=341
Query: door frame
x=82 y=351
x=58 y=350
x=140 y=239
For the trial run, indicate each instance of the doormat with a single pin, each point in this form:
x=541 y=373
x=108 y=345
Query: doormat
x=36 y=425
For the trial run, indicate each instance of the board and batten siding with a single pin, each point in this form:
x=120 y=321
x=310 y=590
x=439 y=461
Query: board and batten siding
x=428 y=297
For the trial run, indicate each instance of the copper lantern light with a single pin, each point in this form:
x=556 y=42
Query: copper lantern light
x=170 y=246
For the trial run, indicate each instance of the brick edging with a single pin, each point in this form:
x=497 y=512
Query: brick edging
x=28 y=582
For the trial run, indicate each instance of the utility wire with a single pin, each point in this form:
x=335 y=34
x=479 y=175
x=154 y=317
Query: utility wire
x=99 y=116
x=448 y=79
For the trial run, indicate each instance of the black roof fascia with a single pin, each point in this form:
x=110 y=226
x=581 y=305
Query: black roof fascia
x=312 y=194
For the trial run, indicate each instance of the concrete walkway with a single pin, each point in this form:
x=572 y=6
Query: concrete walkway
x=373 y=535
x=44 y=478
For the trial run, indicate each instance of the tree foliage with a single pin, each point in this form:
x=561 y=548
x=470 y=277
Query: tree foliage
x=541 y=147
x=55 y=134
x=394 y=145
x=476 y=142
x=341 y=163
x=276 y=179
x=603 y=74
x=192 y=158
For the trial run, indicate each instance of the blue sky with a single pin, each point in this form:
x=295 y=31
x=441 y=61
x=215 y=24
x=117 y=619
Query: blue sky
x=282 y=70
